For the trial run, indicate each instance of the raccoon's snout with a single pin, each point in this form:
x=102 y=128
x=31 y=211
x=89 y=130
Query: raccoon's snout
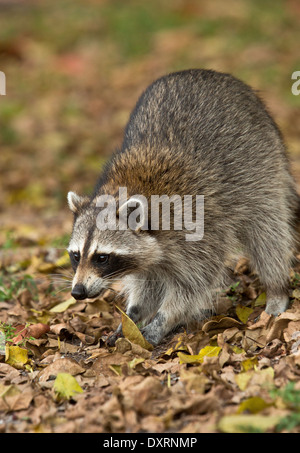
x=79 y=292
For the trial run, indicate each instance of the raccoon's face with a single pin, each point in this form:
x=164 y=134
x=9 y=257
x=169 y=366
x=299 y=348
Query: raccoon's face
x=100 y=258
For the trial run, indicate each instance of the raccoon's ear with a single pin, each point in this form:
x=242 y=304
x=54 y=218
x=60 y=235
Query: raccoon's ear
x=75 y=201
x=135 y=211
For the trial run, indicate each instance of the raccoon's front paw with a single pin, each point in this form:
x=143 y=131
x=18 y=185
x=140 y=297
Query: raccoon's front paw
x=158 y=328
x=153 y=336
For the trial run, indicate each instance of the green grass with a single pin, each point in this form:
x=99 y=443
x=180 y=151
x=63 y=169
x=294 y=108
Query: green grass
x=291 y=397
x=10 y=286
x=9 y=242
x=7 y=330
x=61 y=242
x=131 y=25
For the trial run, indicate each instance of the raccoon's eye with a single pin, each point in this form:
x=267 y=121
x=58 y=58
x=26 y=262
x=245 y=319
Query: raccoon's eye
x=76 y=256
x=101 y=258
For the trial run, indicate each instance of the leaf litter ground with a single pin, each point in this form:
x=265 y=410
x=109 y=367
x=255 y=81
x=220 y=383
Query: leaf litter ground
x=70 y=89
x=57 y=373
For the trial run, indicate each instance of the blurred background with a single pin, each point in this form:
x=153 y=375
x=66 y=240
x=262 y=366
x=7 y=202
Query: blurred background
x=75 y=69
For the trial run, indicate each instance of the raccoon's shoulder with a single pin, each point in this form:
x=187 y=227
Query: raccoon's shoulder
x=142 y=170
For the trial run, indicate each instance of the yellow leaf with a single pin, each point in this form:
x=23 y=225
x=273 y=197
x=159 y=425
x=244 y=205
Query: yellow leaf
x=265 y=375
x=63 y=261
x=261 y=300
x=8 y=390
x=253 y=405
x=243 y=313
x=296 y=293
x=174 y=349
x=42 y=316
x=63 y=306
x=132 y=332
x=16 y=356
x=207 y=351
x=249 y=364
x=238 y=350
x=35 y=263
x=66 y=386
x=247 y=423
x=133 y=363
x=258 y=377
x=43 y=267
x=242 y=379
x=169 y=380
x=116 y=369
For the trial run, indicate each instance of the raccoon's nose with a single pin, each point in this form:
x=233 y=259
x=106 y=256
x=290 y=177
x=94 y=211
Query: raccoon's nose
x=79 y=292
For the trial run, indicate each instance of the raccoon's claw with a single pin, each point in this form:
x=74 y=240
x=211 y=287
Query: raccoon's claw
x=151 y=336
x=111 y=341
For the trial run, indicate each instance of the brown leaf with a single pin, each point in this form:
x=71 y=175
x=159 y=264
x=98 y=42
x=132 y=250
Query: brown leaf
x=37 y=330
x=106 y=359
x=20 y=401
x=58 y=328
x=33 y=330
x=64 y=365
x=199 y=404
x=291 y=331
x=124 y=345
x=149 y=389
x=8 y=372
x=215 y=326
x=264 y=321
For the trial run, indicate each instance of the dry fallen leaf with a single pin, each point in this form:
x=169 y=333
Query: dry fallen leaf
x=62 y=365
x=63 y=306
x=254 y=405
x=247 y=423
x=261 y=300
x=16 y=356
x=219 y=324
x=132 y=332
x=207 y=351
x=243 y=313
x=66 y=386
x=25 y=332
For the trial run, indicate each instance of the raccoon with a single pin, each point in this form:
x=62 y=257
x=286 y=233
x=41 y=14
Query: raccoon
x=194 y=132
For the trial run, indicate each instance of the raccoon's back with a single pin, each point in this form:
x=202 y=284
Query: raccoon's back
x=201 y=132
x=203 y=113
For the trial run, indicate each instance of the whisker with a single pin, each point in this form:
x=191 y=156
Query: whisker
x=60 y=280
x=111 y=274
x=136 y=279
x=61 y=274
x=63 y=289
x=65 y=270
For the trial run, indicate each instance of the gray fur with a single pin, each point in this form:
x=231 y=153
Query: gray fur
x=206 y=133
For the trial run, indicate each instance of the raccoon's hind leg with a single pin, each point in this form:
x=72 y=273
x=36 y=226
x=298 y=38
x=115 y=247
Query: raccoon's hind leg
x=269 y=246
